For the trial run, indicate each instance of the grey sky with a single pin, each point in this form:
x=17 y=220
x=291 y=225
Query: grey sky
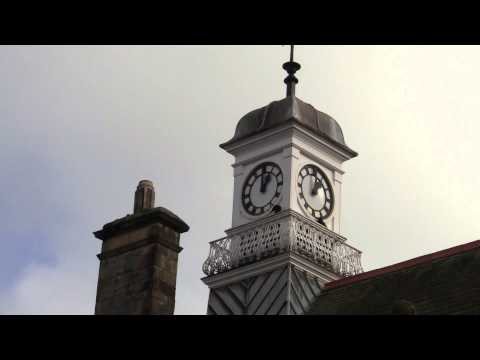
x=80 y=125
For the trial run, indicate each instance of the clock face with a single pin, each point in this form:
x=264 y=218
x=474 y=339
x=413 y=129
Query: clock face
x=315 y=192
x=262 y=188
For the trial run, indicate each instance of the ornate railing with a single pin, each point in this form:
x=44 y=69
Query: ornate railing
x=279 y=233
x=219 y=259
x=347 y=260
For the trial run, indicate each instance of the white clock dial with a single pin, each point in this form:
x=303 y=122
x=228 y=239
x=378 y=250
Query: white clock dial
x=262 y=188
x=315 y=192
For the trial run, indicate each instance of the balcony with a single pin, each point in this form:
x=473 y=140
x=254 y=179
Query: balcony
x=283 y=232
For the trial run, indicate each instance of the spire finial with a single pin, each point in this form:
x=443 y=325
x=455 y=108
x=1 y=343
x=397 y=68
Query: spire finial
x=291 y=68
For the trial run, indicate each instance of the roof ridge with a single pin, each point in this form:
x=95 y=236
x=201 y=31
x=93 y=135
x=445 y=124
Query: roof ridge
x=455 y=250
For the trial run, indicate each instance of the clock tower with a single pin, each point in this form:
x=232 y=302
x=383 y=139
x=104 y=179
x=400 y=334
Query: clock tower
x=285 y=242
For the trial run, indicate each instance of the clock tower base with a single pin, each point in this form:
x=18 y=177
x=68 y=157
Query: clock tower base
x=283 y=285
x=276 y=265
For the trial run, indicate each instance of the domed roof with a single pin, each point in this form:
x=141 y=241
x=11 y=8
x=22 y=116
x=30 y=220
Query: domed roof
x=290 y=109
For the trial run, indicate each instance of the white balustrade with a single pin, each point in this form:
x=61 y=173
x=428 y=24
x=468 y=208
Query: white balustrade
x=286 y=231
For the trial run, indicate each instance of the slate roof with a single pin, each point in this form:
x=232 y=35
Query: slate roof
x=444 y=282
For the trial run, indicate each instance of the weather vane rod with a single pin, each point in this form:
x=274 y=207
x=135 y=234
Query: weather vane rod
x=291 y=68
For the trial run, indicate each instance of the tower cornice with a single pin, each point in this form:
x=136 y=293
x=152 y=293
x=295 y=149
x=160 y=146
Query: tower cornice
x=288 y=130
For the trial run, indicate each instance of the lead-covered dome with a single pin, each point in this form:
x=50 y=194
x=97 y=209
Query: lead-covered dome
x=290 y=109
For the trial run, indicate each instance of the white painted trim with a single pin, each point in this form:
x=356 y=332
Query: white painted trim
x=313 y=269
x=319 y=160
x=261 y=157
x=246 y=271
x=277 y=217
x=268 y=265
x=238 y=146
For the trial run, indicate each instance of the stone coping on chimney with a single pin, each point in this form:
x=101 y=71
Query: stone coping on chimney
x=144 y=218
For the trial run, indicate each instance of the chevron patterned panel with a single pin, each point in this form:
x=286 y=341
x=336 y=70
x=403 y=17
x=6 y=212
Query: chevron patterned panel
x=283 y=291
x=304 y=290
x=259 y=295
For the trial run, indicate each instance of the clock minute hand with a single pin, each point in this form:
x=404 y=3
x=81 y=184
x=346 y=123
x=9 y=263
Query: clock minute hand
x=315 y=187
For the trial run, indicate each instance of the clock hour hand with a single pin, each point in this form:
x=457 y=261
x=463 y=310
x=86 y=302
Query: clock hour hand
x=265 y=180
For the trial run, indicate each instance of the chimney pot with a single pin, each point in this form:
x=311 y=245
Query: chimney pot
x=144 y=196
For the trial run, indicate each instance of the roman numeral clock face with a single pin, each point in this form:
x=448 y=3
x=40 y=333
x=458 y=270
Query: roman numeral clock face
x=262 y=189
x=315 y=192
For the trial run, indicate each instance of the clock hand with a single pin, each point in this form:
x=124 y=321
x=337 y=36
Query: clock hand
x=262 y=181
x=265 y=180
x=315 y=187
x=268 y=179
x=262 y=184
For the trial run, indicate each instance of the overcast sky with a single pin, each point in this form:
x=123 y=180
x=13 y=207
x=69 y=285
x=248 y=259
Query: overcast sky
x=81 y=125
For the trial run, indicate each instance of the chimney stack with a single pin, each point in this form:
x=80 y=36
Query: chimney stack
x=139 y=259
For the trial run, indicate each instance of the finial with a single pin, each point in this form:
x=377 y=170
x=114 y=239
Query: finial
x=291 y=68
x=144 y=196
